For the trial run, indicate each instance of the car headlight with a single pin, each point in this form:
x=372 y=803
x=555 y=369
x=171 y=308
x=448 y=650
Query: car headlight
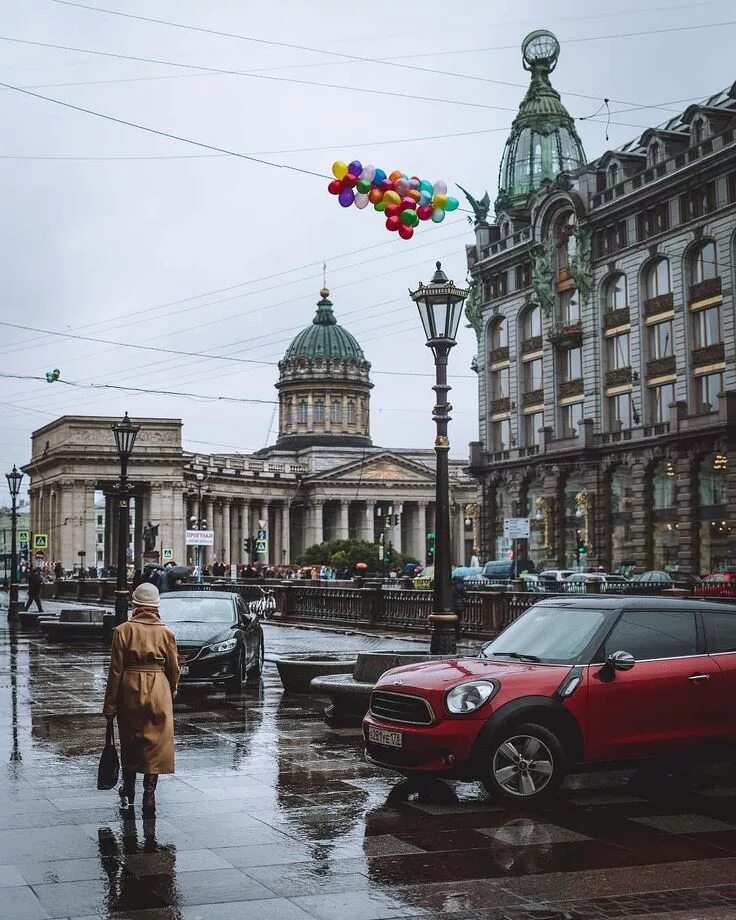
x=469 y=697
x=227 y=646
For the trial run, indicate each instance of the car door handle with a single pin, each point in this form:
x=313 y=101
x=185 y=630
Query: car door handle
x=700 y=677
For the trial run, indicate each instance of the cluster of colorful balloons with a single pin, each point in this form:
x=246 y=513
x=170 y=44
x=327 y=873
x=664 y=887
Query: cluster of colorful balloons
x=404 y=200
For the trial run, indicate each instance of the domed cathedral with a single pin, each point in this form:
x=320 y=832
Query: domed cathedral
x=602 y=300
x=324 y=386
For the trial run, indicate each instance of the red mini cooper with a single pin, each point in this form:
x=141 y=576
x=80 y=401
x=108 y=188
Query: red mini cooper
x=570 y=684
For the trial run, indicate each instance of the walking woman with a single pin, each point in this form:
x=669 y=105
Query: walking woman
x=141 y=685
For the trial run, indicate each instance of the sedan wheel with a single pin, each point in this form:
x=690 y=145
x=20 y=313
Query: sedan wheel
x=526 y=765
x=237 y=681
x=257 y=668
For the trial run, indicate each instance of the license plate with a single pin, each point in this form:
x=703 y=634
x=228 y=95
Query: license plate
x=387 y=739
x=183 y=670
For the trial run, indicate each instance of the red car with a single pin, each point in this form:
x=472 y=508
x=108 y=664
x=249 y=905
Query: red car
x=573 y=683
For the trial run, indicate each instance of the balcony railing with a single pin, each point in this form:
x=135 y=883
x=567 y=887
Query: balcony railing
x=618 y=377
x=568 y=388
x=615 y=318
x=661 y=367
x=500 y=405
x=499 y=354
x=568 y=335
x=704 y=290
x=708 y=354
x=530 y=345
x=661 y=304
x=533 y=398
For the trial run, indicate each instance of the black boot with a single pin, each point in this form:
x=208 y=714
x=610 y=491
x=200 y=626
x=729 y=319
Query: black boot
x=149 y=794
x=127 y=792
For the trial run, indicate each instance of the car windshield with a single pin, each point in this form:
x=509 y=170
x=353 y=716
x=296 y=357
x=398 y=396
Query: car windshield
x=196 y=609
x=554 y=635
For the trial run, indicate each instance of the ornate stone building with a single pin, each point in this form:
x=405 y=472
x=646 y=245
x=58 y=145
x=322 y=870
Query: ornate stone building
x=323 y=479
x=603 y=304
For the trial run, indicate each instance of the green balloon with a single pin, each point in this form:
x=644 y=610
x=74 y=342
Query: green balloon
x=406 y=217
x=452 y=204
x=364 y=186
x=379 y=206
x=413 y=219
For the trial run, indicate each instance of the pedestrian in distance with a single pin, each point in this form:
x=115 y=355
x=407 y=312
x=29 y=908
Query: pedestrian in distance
x=35 y=580
x=141 y=685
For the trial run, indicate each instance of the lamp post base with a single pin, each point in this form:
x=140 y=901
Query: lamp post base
x=121 y=606
x=444 y=639
x=14 y=605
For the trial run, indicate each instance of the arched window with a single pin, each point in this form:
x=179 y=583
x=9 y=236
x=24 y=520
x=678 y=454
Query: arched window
x=302 y=417
x=613 y=174
x=319 y=412
x=499 y=334
x=704 y=262
x=351 y=412
x=653 y=153
x=697 y=131
x=657 y=281
x=565 y=240
x=531 y=324
x=336 y=412
x=663 y=486
x=713 y=478
x=616 y=293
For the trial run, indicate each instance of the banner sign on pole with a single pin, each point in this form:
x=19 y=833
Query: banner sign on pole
x=200 y=538
x=516 y=528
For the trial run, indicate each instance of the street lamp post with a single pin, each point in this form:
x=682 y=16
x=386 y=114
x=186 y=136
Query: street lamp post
x=440 y=305
x=15 y=477
x=199 y=523
x=125 y=434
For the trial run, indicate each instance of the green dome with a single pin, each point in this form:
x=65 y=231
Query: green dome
x=324 y=338
x=543 y=140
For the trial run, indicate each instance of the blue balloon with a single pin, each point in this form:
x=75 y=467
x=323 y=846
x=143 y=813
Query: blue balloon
x=438 y=215
x=379 y=177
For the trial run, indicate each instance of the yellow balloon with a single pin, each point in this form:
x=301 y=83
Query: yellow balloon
x=440 y=201
x=339 y=169
x=392 y=197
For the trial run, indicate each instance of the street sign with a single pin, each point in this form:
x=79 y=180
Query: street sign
x=23 y=536
x=40 y=541
x=516 y=528
x=200 y=538
x=167 y=555
x=40 y=555
x=261 y=542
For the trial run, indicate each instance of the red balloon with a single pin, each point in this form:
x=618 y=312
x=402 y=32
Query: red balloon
x=335 y=187
x=386 y=186
x=408 y=204
x=406 y=233
x=393 y=223
x=350 y=181
x=424 y=211
x=392 y=209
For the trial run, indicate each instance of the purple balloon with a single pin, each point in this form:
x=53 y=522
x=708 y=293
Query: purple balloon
x=346 y=197
x=355 y=168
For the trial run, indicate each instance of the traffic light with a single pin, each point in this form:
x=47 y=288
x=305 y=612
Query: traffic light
x=248 y=545
x=581 y=545
x=389 y=551
x=430 y=548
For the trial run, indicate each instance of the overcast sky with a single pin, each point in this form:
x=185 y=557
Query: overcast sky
x=111 y=232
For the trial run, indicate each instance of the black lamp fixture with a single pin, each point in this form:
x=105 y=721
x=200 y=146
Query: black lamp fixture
x=440 y=305
x=125 y=433
x=14 y=477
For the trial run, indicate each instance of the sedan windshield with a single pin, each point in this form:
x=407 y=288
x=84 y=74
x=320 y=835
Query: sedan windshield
x=197 y=609
x=552 y=635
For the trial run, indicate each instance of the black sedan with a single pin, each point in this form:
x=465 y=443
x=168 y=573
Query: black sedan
x=218 y=638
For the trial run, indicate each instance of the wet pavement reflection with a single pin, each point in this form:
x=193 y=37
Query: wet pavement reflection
x=274 y=814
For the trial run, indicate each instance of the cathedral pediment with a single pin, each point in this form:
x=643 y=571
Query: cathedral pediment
x=381 y=468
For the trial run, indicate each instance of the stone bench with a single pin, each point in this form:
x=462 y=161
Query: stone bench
x=75 y=623
x=350 y=693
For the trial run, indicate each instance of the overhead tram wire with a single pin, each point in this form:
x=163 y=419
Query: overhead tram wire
x=344 y=57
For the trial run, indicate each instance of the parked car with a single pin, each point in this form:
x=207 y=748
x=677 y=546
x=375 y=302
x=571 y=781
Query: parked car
x=218 y=638
x=578 y=581
x=573 y=684
x=499 y=570
x=659 y=577
x=551 y=579
x=720 y=578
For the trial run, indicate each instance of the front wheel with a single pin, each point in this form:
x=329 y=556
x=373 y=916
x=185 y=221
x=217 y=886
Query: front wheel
x=257 y=667
x=524 y=765
x=239 y=678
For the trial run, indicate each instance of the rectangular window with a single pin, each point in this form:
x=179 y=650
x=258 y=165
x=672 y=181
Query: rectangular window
x=732 y=188
x=572 y=364
x=523 y=276
x=100 y=537
x=619 y=411
x=319 y=412
x=500 y=383
x=533 y=375
x=570 y=308
x=498 y=285
x=617 y=348
x=351 y=413
x=570 y=416
x=501 y=435
x=99 y=520
x=532 y=424
x=707 y=327
x=707 y=390
x=302 y=417
x=336 y=413
x=660 y=398
x=653 y=221
x=660 y=340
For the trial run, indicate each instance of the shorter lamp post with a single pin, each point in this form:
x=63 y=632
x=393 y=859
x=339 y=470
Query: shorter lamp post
x=199 y=523
x=440 y=305
x=14 y=477
x=125 y=434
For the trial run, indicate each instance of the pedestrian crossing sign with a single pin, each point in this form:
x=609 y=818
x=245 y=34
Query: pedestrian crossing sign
x=167 y=554
x=23 y=536
x=40 y=541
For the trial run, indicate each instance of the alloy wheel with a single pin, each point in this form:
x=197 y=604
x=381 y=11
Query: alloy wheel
x=523 y=765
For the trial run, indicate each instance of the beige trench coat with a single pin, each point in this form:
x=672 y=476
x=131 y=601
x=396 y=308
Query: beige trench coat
x=141 y=684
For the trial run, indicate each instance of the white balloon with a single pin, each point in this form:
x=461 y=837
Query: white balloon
x=361 y=200
x=369 y=173
x=440 y=187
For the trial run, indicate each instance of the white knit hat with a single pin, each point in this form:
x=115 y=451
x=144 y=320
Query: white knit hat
x=146 y=595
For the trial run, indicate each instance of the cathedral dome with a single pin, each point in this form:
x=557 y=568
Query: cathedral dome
x=324 y=338
x=543 y=140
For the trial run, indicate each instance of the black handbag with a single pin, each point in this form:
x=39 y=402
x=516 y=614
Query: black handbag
x=109 y=768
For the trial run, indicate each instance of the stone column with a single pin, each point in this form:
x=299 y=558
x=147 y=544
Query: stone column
x=641 y=514
x=245 y=530
x=458 y=554
x=286 y=531
x=688 y=500
x=225 y=542
x=176 y=515
x=109 y=529
x=65 y=526
x=317 y=523
x=419 y=541
x=343 y=527
x=90 y=530
x=395 y=528
x=235 y=541
x=155 y=516
x=367 y=530
x=209 y=513
x=137 y=522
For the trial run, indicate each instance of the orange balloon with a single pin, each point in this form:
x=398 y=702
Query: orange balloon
x=413 y=193
x=396 y=174
x=375 y=195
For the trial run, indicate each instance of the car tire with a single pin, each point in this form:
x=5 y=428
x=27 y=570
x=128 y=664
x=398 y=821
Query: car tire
x=256 y=668
x=523 y=765
x=236 y=683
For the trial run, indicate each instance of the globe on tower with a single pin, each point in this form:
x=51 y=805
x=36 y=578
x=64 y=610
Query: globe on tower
x=324 y=386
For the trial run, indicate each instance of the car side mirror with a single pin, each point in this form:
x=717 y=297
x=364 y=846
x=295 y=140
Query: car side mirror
x=616 y=661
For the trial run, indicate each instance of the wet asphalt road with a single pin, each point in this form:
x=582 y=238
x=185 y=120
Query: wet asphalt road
x=274 y=814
